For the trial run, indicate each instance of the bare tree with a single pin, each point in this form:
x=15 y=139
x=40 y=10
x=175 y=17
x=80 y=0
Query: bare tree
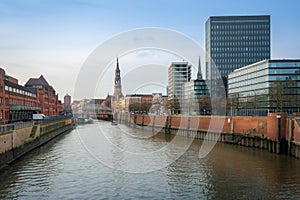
x=139 y=107
x=234 y=103
x=276 y=94
x=204 y=103
x=174 y=105
x=283 y=93
x=134 y=107
x=218 y=105
x=145 y=107
x=252 y=103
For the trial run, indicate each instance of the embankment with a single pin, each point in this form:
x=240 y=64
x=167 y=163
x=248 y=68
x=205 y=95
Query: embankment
x=18 y=139
x=275 y=133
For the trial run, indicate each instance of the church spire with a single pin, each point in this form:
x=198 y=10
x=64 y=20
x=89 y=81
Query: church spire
x=199 y=74
x=118 y=64
x=117 y=84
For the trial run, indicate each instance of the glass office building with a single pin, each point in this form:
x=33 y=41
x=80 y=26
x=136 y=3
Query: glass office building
x=192 y=91
x=233 y=42
x=178 y=74
x=265 y=86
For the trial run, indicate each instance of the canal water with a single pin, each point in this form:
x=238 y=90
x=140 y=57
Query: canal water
x=101 y=161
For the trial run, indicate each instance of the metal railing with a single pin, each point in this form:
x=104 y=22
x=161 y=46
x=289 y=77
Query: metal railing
x=6 y=128
x=56 y=118
x=18 y=125
x=14 y=126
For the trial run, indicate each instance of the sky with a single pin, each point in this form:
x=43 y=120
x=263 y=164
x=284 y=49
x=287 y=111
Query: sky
x=57 y=37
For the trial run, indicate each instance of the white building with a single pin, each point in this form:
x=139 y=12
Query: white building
x=178 y=74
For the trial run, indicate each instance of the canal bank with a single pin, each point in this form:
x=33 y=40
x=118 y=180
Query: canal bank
x=276 y=133
x=18 y=139
x=64 y=169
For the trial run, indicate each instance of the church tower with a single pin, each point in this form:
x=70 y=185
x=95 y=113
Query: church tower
x=117 y=84
x=199 y=74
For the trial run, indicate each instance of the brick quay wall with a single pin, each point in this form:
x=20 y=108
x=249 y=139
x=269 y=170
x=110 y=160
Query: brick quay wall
x=276 y=133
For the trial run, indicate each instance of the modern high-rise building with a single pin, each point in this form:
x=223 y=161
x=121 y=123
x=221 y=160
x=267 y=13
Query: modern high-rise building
x=264 y=87
x=233 y=42
x=178 y=74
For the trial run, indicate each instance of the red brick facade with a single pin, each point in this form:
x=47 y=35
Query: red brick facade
x=48 y=99
x=255 y=126
x=18 y=103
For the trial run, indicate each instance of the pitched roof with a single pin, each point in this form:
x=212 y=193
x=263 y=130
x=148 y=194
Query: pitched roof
x=37 y=81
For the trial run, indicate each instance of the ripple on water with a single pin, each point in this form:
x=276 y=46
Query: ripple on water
x=64 y=169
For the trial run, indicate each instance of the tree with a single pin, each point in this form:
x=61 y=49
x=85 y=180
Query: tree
x=134 y=107
x=145 y=107
x=252 y=103
x=283 y=94
x=298 y=102
x=139 y=107
x=157 y=107
x=276 y=93
x=218 y=105
x=234 y=104
x=174 y=105
x=204 y=103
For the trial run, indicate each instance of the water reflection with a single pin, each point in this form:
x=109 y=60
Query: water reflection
x=65 y=169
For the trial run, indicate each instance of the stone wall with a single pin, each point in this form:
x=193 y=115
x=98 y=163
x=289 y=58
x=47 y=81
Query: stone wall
x=15 y=143
x=21 y=135
x=5 y=142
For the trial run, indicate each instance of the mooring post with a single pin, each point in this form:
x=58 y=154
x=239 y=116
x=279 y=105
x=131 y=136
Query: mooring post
x=134 y=120
x=278 y=134
x=166 y=125
x=170 y=124
x=291 y=135
x=153 y=123
x=188 y=126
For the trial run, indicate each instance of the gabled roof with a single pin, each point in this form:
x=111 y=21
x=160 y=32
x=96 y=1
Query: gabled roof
x=37 y=81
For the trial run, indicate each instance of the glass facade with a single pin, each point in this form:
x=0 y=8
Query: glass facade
x=192 y=91
x=265 y=86
x=233 y=42
x=178 y=74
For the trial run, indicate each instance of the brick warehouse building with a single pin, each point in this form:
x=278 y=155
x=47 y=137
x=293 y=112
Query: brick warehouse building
x=48 y=99
x=18 y=103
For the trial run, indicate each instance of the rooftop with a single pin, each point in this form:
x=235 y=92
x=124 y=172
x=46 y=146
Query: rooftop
x=17 y=86
x=267 y=61
x=37 y=81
